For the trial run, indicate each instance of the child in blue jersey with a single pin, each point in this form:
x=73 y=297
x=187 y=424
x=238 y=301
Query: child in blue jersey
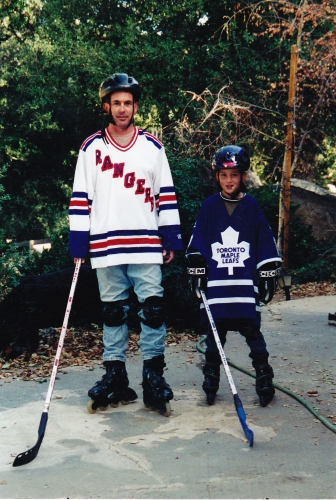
x=233 y=245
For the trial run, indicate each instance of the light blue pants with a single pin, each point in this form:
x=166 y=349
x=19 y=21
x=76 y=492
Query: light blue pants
x=114 y=284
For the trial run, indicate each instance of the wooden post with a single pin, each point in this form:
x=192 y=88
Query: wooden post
x=284 y=199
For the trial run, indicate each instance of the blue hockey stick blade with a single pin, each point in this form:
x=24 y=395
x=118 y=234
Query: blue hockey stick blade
x=242 y=418
x=248 y=433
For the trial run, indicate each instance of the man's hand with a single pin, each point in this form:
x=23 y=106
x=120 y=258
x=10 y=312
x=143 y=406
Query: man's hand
x=168 y=256
x=78 y=258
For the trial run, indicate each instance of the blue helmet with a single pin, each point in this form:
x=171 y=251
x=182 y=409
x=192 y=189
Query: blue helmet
x=231 y=157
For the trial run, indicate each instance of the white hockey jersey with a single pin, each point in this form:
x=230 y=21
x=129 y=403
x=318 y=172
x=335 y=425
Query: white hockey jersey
x=123 y=207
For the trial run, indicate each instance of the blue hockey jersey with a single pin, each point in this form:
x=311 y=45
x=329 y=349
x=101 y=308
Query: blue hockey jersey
x=235 y=246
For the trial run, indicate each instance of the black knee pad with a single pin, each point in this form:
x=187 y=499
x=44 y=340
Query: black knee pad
x=153 y=312
x=114 y=313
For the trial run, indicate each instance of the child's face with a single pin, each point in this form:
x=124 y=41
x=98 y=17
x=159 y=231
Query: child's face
x=229 y=180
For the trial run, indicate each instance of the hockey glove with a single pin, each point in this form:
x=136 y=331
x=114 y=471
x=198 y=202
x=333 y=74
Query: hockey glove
x=268 y=282
x=197 y=270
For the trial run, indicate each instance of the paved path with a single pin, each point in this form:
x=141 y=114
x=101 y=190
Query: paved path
x=198 y=452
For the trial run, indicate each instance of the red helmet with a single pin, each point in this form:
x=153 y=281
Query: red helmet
x=119 y=82
x=231 y=157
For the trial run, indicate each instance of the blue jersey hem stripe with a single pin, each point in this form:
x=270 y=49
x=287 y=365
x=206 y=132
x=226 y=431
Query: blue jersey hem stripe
x=124 y=232
x=114 y=251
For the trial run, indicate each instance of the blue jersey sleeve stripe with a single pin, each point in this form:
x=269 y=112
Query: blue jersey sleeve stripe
x=168 y=206
x=153 y=139
x=79 y=194
x=76 y=211
x=90 y=140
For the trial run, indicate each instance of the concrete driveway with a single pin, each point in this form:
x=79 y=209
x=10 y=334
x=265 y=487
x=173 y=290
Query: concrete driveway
x=199 y=451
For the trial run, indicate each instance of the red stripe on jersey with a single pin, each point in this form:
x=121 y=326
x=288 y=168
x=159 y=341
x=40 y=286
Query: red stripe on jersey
x=125 y=241
x=78 y=203
x=167 y=197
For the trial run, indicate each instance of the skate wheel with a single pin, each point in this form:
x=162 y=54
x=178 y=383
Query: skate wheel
x=167 y=410
x=103 y=408
x=125 y=402
x=114 y=405
x=90 y=407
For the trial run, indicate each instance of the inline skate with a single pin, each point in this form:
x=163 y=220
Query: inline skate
x=112 y=389
x=264 y=384
x=211 y=372
x=156 y=392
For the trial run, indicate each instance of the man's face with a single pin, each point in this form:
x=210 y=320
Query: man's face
x=123 y=108
x=229 y=180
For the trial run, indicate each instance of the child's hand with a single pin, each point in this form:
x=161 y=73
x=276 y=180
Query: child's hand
x=267 y=281
x=197 y=270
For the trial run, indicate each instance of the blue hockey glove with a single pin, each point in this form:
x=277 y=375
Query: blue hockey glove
x=197 y=270
x=268 y=282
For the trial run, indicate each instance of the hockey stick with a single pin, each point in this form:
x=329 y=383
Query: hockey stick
x=29 y=455
x=238 y=404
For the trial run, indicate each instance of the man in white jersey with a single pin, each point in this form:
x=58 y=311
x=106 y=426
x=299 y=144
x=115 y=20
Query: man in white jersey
x=123 y=210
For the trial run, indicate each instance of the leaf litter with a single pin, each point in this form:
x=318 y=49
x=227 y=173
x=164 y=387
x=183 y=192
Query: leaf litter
x=82 y=347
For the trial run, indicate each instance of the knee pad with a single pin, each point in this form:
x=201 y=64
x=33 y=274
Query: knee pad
x=153 y=312
x=114 y=313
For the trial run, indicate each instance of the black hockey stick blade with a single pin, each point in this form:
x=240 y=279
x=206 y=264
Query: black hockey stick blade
x=242 y=418
x=29 y=455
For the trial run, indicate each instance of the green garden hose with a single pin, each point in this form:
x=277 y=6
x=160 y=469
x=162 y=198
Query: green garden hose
x=279 y=387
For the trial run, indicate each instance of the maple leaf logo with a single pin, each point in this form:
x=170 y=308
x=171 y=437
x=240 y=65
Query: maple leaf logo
x=231 y=253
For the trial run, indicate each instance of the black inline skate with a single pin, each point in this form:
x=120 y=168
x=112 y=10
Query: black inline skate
x=112 y=389
x=264 y=384
x=211 y=372
x=156 y=392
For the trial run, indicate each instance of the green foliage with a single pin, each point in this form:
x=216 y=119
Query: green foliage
x=212 y=73
x=51 y=260
x=318 y=271
x=53 y=55
x=192 y=188
x=16 y=264
x=304 y=249
x=3 y=197
x=327 y=163
x=11 y=264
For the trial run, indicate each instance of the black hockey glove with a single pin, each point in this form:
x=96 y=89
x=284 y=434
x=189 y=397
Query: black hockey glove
x=268 y=282
x=197 y=270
